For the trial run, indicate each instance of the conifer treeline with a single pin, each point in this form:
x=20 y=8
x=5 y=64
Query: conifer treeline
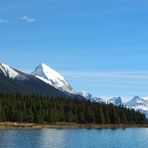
x=37 y=109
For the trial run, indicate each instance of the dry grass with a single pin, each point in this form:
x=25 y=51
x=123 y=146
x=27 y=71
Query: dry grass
x=68 y=125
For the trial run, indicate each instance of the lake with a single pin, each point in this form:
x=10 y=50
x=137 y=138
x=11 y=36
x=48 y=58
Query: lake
x=74 y=138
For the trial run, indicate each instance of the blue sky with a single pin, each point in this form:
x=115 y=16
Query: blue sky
x=99 y=46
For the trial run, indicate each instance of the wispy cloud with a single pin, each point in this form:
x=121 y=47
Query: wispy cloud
x=28 y=19
x=3 y=21
x=134 y=75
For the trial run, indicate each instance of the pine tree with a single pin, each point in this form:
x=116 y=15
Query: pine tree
x=100 y=118
x=107 y=118
x=81 y=118
x=31 y=108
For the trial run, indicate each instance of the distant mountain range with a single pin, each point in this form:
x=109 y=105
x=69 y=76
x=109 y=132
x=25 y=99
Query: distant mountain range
x=46 y=81
x=136 y=103
x=139 y=104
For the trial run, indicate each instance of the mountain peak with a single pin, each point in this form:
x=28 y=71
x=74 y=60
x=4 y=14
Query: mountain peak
x=89 y=96
x=47 y=72
x=50 y=76
x=116 y=101
x=8 y=71
x=136 y=98
x=44 y=66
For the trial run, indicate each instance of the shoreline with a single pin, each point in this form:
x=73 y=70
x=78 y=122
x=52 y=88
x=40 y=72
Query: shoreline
x=5 y=125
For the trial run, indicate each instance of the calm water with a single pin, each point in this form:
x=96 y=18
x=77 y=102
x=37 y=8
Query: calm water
x=74 y=138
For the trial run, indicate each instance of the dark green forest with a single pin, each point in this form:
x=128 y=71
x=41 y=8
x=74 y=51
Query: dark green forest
x=34 y=108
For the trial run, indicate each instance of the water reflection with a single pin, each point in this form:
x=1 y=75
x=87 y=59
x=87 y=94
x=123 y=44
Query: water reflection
x=53 y=138
x=74 y=138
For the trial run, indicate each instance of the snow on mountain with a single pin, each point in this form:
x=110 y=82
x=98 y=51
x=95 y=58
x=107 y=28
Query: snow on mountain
x=50 y=76
x=135 y=101
x=89 y=96
x=99 y=100
x=13 y=80
x=138 y=104
x=116 y=101
x=86 y=94
x=11 y=72
x=145 y=98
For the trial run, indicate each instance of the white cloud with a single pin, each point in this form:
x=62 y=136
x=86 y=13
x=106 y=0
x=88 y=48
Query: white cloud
x=3 y=21
x=134 y=75
x=28 y=19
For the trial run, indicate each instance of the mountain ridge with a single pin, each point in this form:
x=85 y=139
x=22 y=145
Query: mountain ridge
x=46 y=81
x=16 y=81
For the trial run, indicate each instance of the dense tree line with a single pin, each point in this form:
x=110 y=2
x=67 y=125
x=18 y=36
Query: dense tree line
x=24 y=108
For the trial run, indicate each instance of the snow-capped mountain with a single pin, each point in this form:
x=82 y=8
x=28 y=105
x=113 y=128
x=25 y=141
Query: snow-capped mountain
x=46 y=81
x=11 y=72
x=51 y=77
x=13 y=80
x=89 y=96
x=116 y=101
x=138 y=104
x=86 y=94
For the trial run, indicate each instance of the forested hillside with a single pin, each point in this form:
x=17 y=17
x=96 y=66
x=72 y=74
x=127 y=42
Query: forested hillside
x=30 y=108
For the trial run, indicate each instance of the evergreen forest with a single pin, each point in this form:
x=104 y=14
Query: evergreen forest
x=16 y=107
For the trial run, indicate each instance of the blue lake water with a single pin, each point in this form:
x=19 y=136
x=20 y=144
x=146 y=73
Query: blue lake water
x=74 y=138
